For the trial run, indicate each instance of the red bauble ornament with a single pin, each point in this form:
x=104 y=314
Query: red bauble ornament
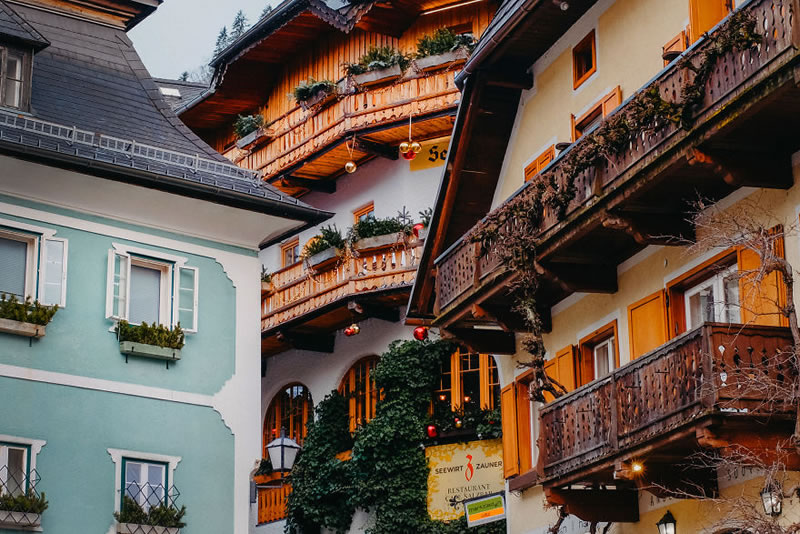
x=432 y=431
x=420 y=333
x=416 y=229
x=349 y=331
x=410 y=155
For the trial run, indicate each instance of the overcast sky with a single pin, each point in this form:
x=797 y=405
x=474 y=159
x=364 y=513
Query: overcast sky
x=180 y=35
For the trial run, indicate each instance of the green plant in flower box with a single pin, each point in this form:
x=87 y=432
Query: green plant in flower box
x=162 y=515
x=306 y=90
x=378 y=58
x=329 y=237
x=27 y=311
x=29 y=502
x=158 y=335
x=442 y=41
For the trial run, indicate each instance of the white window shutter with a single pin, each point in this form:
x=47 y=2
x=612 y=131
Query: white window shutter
x=53 y=274
x=117 y=285
x=186 y=297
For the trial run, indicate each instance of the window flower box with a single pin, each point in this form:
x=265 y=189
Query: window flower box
x=20 y=520
x=440 y=60
x=379 y=241
x=134 y=528
x=254 y=139
x=319 y=100
x=378 y=76
x=422 y=234
x=266 y=287
x=130 y=348
x=321 y=259
x=19 y=328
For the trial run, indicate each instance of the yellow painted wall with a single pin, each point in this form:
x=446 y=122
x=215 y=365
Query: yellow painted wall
x=629 y=36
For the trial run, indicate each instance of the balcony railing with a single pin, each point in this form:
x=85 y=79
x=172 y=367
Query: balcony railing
x=714 y=369
x=463 y=266
x=272 y=497
x=299 y=290
x=300 y=133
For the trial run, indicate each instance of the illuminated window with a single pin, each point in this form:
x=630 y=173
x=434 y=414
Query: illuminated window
x=468 y=378
x=584 y=60
x=359 y=389
x=364 y=212
x=290 y=252
x=290 y=409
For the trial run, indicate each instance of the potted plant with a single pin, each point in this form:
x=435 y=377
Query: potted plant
x=324 y=248
x=249 y=130
x=27 y=318
x=378 y=65
x=22 y=511
x=152 y=341
x=161 y=519
x=314 y=93
x=371 y=233
x=425 y=218
x=442 y=48
x=266 y=280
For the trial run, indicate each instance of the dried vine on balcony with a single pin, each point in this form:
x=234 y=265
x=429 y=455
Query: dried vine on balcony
x=511 y=230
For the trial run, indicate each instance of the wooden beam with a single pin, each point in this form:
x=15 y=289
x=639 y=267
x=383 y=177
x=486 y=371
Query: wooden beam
x=376 y=149
x=363 y=310
x=585 y=278
x=312 y=342
x=322 y=186
x=607 y=505
x=739 y=168
x=483 y=340
x=510 y=79
x=665 y=230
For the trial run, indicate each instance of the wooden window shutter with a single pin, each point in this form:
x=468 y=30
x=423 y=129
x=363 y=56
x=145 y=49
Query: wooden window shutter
x=676 y=45
x=524 y=451
x=508 y=416
x=704 y=15
x=760 y=301
x=647 y=323
x=562 y=369
x=538 y=165
x=611 y=101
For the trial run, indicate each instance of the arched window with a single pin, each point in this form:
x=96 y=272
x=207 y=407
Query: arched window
x=290 y=409
x=359 y=389
x=468 y=378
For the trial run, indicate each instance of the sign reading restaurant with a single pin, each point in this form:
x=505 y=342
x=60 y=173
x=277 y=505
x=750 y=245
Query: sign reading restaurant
x=460 y=472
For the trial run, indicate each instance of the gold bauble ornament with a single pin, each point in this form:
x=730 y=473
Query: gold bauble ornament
x=416 y=147
x=405 y=146
x=350 y=167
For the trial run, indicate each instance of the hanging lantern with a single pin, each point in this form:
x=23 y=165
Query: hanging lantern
x=772 y=499
x=458 y=423
x=420 y=333
x=350 y=167
x=432 y=431
x=416 y=148
x=667 y=524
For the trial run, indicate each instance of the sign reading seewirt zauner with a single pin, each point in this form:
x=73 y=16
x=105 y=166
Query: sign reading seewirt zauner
x=462 y=471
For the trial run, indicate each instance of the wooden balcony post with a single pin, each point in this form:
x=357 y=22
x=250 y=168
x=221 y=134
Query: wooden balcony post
x=613 y=430
x=476 y=247
x=708 y=391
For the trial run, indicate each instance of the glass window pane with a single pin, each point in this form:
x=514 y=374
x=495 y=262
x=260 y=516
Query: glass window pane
x=16 y=483
x=13 y=81
x=470 y=378
x=731 y=289
x=145 y=294
x=155 y=484
x=53 y=272
x=13 y=256
x=602 y=355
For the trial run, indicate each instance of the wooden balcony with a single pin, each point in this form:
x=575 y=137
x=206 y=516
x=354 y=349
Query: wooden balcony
x=310 y=144
x=714 y=388
x=638 y=197
x=272 y=498
x=306 y=307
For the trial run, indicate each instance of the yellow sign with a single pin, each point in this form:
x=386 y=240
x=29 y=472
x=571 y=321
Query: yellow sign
x=462 y=471
x=485 y=509
x=433 y=154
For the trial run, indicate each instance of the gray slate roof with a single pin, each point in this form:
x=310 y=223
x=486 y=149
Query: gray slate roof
x=15 y=28
x=187 y=90
x=93 y=102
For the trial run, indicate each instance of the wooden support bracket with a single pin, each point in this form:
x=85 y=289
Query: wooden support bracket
x=322 y=186
x=312 y=342
x=362 y=310
x=376 y=149
x=618 y=505
x=739 y=168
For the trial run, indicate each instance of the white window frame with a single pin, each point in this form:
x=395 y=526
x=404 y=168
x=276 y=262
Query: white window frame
x=171 y=267
x=143 y=482
x=118 y=454
x=37 y=238
x=612 y=358
x=717 y=284
x=32 y=449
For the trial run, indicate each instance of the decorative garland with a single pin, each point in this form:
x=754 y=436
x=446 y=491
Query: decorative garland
x=646 y=112
x=388 y=472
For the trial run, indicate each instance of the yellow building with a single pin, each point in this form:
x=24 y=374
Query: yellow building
x=609 y=120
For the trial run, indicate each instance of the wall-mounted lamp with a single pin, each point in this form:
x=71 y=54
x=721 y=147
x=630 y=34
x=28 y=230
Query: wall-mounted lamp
x=772 y=499
x=562 y=5
x=667 y=524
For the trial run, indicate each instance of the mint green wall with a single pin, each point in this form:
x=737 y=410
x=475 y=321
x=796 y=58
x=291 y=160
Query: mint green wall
x=78 y=340
x=78 y=473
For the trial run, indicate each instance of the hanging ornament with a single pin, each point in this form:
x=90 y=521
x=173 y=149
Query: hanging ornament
x=349 y=332
x=405 y=146
x=409 y=155
x=420 y=333
x=416 y=148
x=409 y=149
x=432 y=431
x=355 y=328
x=458 y=423
x=350 y=167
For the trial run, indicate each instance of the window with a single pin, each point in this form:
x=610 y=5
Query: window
x=705 y=14
x=289 y=410
x=538 y=165
x=364 y=212
x=598 y=353
x=15 y=74
x=715 y=299
x=14 y=471
x=290 y=252
x=596 y=113
x=584 y=60
x=143 y=287
x=359 y=389
x=145 y=482
x=468 y=377
x=33 y=263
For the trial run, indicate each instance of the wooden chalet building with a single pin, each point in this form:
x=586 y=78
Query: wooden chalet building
x=304 y=148
x=652 y=338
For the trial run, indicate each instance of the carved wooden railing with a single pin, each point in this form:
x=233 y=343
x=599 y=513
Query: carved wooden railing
x=300 y=133
x=299 y=290
x=272 y=499
x=715 y=368
x=461 y=267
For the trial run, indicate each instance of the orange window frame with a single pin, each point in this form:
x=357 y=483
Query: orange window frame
x=586 y=48
x=363 y=211
x=538 y=165
x=586 y=351
x=602 y=108
x=359 y=389
x=273 y=419
x=489 y=384
x=292 y=248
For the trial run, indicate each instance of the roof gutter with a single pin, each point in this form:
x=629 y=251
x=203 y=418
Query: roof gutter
x=486 y=48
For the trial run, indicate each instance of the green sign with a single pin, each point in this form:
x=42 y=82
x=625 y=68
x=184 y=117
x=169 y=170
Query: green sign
x=485 y=509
